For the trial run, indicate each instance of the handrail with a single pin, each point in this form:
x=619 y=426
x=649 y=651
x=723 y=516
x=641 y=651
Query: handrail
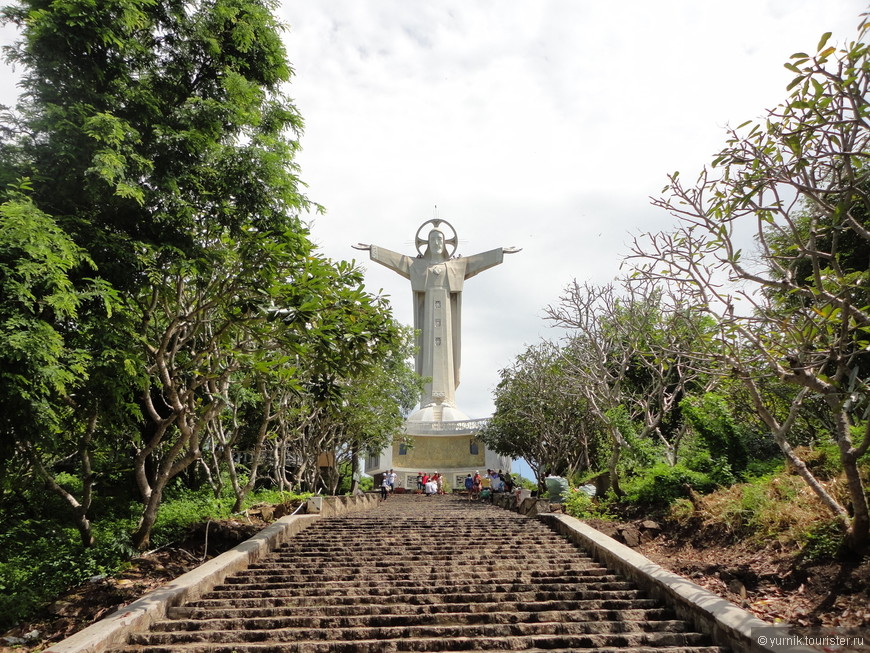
x=461 y=427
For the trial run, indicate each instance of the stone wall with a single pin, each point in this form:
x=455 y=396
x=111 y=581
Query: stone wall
x=525 y=505
x=439 y=452
x=335 y=506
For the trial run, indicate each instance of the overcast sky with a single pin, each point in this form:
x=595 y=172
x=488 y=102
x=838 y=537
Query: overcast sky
x=542 y=124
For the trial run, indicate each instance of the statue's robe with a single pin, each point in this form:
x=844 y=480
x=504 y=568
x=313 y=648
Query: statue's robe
x=437 y=287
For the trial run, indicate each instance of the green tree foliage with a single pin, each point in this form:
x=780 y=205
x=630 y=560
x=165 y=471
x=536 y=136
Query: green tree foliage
x=155 y=124
x=629 y=355
x=539 y=418
x=43 y=362
x=712 y=420
x=158 y=143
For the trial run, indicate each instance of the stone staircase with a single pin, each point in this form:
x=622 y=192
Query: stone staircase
x=423 y=574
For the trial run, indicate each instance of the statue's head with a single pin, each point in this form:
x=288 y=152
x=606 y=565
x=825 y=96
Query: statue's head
x=436 y=247
x=440 y=242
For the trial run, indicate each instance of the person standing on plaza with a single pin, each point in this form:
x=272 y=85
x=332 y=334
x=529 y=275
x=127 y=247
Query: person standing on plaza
x=476 y=486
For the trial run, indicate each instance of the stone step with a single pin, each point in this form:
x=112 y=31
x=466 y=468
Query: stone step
x=436 y=586
x=399 y=563
x=668 y=632
x=371 y=610
x=394 y=552
x=412 y=576
x=274 y=621
x=594 y=599
x=398 y=572
x=369 y=552
x=424 y=547
x=312 y=605
x=441 y=594
x=553 y=645
x=623 y=642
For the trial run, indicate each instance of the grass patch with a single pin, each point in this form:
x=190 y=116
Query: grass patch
x=778 y=508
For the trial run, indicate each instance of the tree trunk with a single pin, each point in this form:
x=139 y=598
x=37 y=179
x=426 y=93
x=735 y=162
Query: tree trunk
x=142 y=536
x=354 y=470
x=256 y=456
x=779 y=432
x=79 y=509
x=612 y=464
x=858 y=534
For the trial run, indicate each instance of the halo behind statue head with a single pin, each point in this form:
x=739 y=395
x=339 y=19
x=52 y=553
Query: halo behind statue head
x=436 y=224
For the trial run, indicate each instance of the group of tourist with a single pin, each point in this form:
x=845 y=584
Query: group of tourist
x=388 y=483
x=479 y=486
x=476 y=486
x=430 y=484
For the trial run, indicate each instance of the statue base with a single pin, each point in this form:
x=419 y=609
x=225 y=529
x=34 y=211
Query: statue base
x=437 y=413
x=450 y=448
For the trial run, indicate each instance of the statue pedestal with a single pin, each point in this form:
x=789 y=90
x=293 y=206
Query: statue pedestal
x=448 y=447
x=437 y=414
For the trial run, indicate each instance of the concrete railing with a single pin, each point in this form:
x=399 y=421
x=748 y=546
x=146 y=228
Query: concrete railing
x=727 y=624
x=335 y=506
x=463 y=427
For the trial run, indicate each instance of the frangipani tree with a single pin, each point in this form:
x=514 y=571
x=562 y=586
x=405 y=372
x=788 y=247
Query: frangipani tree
x=796 y=307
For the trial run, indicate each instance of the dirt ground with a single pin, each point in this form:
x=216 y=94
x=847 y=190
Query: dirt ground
x=775 y=585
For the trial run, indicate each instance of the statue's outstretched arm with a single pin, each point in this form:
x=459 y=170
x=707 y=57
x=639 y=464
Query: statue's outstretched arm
x=511 y=250
x=388 y=258
x=479 y=262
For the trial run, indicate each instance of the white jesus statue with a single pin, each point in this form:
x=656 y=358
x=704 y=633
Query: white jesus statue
x=436 y=281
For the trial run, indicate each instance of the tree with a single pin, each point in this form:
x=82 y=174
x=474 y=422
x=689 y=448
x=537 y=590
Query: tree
x=539 y=417
x=630 y=359
x=798 y=309
x=158 y=138
x=42 y=365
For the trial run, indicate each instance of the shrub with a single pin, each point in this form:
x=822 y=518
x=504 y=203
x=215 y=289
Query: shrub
x=764 y=467
x=718 y=470
x=711 y=419
x=661 y=484
x=579 y=504
x=822 y=460
x=39 y=560
x=777 y=507
x=822 y=541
